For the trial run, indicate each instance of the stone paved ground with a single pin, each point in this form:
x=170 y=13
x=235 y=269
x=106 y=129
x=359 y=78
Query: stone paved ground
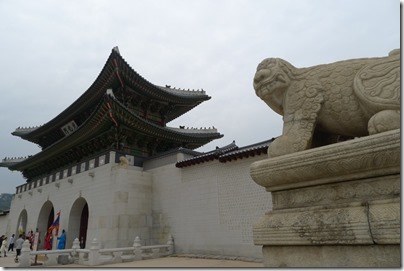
x=190 y=262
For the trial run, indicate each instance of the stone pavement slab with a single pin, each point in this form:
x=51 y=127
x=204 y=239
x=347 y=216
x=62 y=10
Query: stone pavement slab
x=168 y=262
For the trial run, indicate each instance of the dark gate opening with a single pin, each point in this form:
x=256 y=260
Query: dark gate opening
x=83 y=226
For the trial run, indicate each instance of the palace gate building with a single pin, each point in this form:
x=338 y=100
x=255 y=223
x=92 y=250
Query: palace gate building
x=115 y=170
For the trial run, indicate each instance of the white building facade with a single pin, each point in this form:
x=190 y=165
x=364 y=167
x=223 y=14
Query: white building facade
x=208 y=208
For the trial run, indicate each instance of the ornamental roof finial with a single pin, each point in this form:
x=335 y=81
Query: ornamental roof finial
x=116 y=49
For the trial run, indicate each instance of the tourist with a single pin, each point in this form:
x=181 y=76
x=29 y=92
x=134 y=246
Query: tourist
x=82 y=244
x=1 y=239
x=11 y=246
x=36 y=236
x=18 y=246
x=3 y=248
x=31 y=239
x=48 y=241
x=62 y=240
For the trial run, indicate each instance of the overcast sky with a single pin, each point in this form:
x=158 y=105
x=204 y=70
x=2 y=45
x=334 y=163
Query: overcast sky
x=52 y=51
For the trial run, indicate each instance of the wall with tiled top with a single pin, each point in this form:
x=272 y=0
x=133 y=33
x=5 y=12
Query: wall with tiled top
x=209 y=208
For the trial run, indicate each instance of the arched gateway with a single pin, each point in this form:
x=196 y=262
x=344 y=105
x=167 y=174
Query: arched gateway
x=45 y=220
x=78 y=221
x=22 y=222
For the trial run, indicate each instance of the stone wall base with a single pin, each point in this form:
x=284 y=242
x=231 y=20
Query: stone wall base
x=332 y=256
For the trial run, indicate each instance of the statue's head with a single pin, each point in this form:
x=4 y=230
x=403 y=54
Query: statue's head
x=270 y=76
x=271 y=80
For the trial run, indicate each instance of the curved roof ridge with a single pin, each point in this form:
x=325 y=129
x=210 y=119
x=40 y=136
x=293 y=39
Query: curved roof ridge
x=182 y=92
x=213 y=132
x=228 y=147
x=261 y=144
x=72 y=108
x=45 y=152
x=11 y=161
x=193 y=130
x=20 y=131
x=207 y=156
x=201 y=95
x=246 y=151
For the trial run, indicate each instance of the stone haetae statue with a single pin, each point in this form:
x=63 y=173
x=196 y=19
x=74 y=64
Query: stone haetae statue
x=123 y=162
x=324 y=103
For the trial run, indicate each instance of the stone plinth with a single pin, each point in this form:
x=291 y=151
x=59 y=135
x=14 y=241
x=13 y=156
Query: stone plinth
x=333 y=206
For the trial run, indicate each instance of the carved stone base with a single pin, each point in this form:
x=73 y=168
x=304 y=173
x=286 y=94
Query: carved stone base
x=332 y=256
x=334 y=206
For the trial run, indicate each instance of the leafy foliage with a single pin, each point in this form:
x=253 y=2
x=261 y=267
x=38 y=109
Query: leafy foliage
x=5 y=201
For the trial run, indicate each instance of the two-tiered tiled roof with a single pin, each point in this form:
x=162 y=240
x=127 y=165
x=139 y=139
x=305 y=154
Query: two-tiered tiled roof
x=123 y=80
x=120 y=111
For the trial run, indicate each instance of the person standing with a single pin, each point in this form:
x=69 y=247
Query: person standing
x=3 y=248
x=62 y=240
x=31 y=239
x=18 y=246
x=1 y=240
x=48 y=241
x=11 y=246
x=82 y=244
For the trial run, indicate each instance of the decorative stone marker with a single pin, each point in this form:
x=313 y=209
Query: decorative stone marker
x=334 y=205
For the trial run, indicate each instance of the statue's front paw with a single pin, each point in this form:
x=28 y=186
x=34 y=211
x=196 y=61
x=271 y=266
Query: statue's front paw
x=383 y=121
x=280 y=146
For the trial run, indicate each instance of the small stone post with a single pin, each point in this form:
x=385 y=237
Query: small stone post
x=170 y=242
x=52 y=260
x=24 y=259
x=155 y=253
x=94 y=255
x=76 y=245
x=137 y=249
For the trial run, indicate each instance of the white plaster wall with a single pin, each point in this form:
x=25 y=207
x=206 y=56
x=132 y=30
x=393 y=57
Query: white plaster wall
x=119 y=203
x=209 y=208
x=93 y=189
x=132 y=205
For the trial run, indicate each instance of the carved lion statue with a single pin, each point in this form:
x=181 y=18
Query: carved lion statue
x=123 y=162
x=322 y=104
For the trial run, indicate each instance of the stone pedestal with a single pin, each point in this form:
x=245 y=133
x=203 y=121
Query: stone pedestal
x=333 y=206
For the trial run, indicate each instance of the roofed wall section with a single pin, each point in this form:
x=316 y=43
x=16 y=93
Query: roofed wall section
x=227 y=153
x=209 y=208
